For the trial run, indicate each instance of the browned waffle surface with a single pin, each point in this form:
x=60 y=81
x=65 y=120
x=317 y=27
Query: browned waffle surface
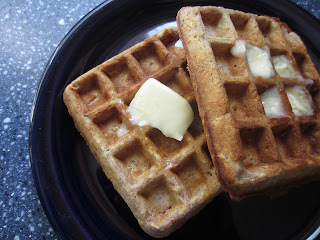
x=163 y=181
x=253 y=152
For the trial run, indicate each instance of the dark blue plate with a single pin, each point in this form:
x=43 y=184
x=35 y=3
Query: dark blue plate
x=79 y=200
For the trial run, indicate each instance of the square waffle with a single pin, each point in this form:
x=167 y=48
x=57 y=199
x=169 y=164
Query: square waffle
x=254 y=152
x=163 y=181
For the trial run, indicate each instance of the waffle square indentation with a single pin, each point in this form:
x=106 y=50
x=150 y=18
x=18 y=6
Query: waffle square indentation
x=289 y=141
x=167 y=146
x=216 y=23
x=311 y=136
x=244 y=100
x=306 y=66
x=245 y=26
x=294 y=41
x=271 y=32
x=135 y=159
x=191 y=175
x=160 y=198
x=110 y=123
x=178 y=81
x=90 y=92
x=121 y=75
x=230 y=65
x=170 y=40
x=258 y=146
x=149 y=58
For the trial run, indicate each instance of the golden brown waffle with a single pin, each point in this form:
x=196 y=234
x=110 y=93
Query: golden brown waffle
x=252 y=153
x=163 y=181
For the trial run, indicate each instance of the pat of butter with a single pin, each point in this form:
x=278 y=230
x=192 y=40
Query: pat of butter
x=300 y=102
x=160 y=107
x=272 y=103
x=239 y=49
x=283 y=67
x=259 y=61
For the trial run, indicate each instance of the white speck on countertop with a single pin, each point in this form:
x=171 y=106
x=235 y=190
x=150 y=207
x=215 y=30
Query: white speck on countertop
x=7 y=120
x=61 y=22
x=31 y=228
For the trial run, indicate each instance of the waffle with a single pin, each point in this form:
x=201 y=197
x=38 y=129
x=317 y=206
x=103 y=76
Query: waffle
x=163 y=181
x=253 y=152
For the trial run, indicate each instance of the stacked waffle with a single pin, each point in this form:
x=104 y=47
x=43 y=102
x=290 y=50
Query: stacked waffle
x=163 y=181
x=258 y=96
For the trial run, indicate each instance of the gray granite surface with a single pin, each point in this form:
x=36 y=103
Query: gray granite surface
x=30 y=31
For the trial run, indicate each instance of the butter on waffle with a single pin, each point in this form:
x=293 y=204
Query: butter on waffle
x=163 y=181
x=252 y=153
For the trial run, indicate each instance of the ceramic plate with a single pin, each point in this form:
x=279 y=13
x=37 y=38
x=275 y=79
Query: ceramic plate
x=79 y=200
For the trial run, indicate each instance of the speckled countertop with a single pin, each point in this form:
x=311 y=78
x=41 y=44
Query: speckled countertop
x=29 y=33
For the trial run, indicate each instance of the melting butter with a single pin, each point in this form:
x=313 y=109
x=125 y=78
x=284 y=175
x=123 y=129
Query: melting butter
x=239 y=49
x=272 y=103
x=299 y=100
x=259 y=61
x=284 y=67
x=160 y=107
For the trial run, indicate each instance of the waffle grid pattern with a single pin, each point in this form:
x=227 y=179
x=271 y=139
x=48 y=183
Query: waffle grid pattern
x=163 y=181
x=253 y=153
